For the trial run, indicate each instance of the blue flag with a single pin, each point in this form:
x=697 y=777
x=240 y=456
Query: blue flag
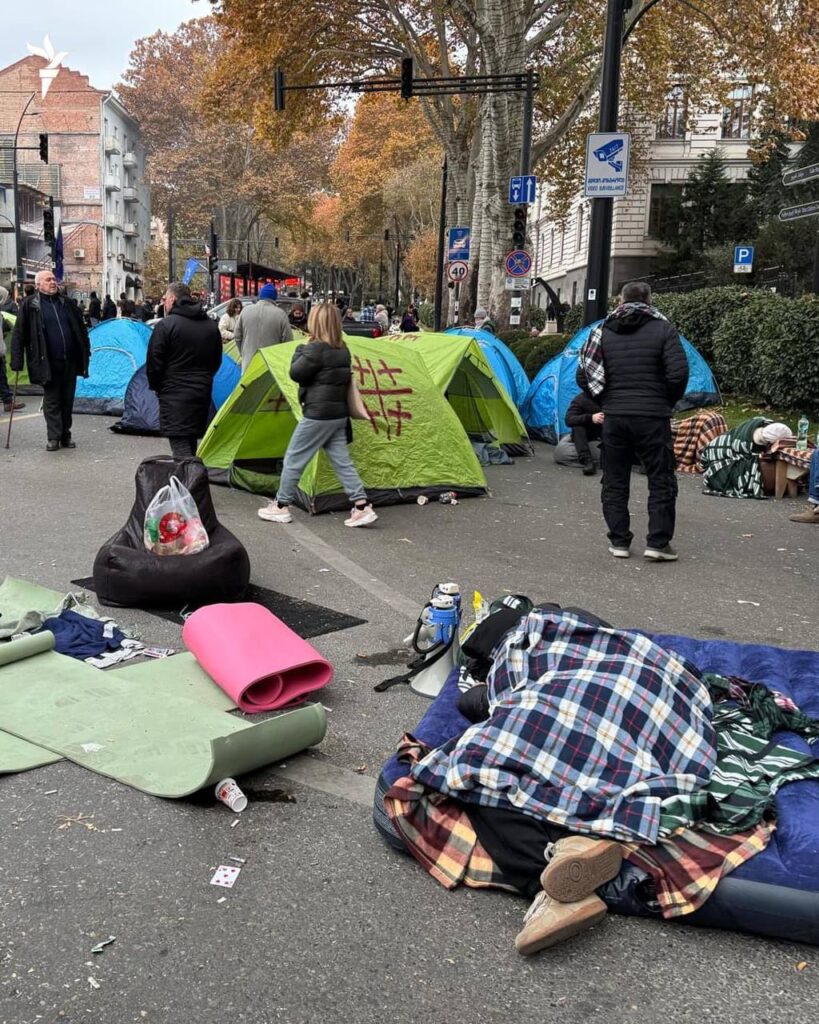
x=192 y=267
x=58 y=254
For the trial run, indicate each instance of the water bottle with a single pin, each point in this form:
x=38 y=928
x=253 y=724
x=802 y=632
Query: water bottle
x=802 y=433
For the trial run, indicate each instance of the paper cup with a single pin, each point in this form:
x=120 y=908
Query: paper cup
x=229 y=793
x=422 y=499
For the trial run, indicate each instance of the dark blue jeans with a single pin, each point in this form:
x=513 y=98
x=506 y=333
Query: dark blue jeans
x=813 y=484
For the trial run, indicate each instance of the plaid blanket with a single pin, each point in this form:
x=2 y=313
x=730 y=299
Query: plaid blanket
x=591 y=354
x=691 y=435
x=687 y=866
x=730 y=463
x=589 y=728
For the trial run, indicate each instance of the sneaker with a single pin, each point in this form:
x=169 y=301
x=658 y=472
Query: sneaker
x=588 y=467
x=619 y=552
x=361 y=516
x=810 y=515
x=8 y=406
x=52 y=446
x=275 y=513
x=548 y=922
x=68 y=443
x=666 y=554
x=578 y=865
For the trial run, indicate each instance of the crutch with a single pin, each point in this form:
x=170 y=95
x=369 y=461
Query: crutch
x=13 y=403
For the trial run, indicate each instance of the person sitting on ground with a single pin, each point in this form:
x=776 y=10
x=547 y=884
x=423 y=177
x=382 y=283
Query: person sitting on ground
x=585 y=417
x=408 y=322
x=730 y=462
x=229 y=319
x=323 y=370
x=298 y=319
x=348 y=317
x=811 y=513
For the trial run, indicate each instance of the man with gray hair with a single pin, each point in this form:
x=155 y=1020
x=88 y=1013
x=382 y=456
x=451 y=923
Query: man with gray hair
x=51 y=339
x=634 y=365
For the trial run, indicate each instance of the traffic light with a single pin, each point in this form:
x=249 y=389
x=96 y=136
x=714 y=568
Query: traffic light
x=519 y=227
x=406 y=78
x=44 y=147
x=48 y=223
x=213 y=259
x=278 y=91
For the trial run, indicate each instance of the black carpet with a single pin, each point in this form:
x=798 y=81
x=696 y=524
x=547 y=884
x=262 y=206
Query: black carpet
x=302 y=617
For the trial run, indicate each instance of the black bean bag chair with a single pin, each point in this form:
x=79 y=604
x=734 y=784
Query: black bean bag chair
x=126 y=575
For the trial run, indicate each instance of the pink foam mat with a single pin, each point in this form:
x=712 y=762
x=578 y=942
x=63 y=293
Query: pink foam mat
x=254 y=657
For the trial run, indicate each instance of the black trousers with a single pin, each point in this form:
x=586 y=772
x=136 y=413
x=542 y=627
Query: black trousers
x=581 y=436
x=183 y=447
x=58 y=401
x=5 y=390
x=646 y=439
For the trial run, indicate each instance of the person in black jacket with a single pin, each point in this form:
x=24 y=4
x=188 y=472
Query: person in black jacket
x=636 y=367
x=51 y=339
x=585 y=417
x=184 y=354
x=109 y=309
x=322 y=368
x=94 y=309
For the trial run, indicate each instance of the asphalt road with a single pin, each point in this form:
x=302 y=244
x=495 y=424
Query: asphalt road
x=324 y=922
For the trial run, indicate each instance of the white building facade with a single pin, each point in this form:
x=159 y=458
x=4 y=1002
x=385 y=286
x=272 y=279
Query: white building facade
x=676 y=144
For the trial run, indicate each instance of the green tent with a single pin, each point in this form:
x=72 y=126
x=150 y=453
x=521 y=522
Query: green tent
x=460 y=369
x=413 y=445
x=23 y=378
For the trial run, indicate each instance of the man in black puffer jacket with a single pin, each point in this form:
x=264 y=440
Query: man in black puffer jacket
x=635 y=366
x=184 y=354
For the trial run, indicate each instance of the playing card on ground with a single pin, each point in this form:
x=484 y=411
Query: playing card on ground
x=225 y=876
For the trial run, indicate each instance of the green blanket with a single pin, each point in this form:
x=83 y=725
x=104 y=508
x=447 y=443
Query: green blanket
x=731 y=462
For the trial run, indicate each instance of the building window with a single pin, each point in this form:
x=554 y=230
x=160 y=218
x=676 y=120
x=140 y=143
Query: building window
x=664 y=211
x=552 y=248
x=574 y=293
x=736 y=117
x=579 y=243
x=562 y=241
x=675 y=114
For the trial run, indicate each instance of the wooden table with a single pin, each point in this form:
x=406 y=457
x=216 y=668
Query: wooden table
x=792 y=466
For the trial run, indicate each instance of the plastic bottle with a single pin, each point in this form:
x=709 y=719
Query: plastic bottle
x=802 y=433
x=449 y=498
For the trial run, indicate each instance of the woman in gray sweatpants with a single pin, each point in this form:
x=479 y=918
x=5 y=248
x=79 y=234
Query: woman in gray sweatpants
x=322 y=369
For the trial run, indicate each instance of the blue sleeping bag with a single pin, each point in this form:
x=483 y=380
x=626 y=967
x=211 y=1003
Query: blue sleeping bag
x=775 y=893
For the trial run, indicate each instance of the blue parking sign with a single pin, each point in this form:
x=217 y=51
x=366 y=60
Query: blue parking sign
x=458 y=242
x=743 y=259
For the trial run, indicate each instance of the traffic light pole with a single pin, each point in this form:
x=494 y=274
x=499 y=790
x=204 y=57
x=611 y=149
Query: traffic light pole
x=525 y=164
x=598 y=268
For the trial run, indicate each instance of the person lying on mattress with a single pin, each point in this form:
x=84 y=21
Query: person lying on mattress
x=581 y=731
x=730 y=462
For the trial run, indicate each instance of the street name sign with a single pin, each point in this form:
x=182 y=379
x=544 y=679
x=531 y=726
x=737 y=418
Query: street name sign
x=518 y=263
x=607 y=158
x=458 y=242
x=522 y=189
x=800 y=174
x=743 y=259
x=457 y=271
x=798 y=212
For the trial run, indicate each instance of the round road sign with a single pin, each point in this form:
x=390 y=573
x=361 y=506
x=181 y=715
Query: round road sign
x=458 y=270
x=518 y=263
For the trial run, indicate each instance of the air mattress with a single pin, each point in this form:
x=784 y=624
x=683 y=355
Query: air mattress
x=258 y=661
x=775 y=893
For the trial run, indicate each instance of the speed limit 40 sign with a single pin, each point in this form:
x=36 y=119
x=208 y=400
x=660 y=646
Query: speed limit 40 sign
x=458 y=271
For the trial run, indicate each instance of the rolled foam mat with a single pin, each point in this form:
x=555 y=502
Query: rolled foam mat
x=26 y=647
x=259 y=662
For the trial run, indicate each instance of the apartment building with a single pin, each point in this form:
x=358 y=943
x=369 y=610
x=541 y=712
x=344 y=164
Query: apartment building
x=674 y=146
x=95 y=176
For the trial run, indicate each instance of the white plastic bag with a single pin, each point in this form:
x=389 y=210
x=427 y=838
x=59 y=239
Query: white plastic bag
x=172 y=522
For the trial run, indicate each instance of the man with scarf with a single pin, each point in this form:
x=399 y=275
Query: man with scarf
x=634 y=365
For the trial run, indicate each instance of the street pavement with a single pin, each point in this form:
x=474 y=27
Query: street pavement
x=325 y=923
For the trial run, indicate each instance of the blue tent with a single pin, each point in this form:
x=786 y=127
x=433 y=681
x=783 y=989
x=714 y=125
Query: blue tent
x=118 y=349
x=140 y=413
x=503 y=361
x=551 y=392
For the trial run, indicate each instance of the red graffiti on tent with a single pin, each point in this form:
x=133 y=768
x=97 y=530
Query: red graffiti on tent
x=371 y=386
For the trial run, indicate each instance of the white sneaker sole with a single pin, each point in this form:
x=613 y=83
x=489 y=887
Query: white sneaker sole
x=620 y=552
x=274 y=518
x=658 y=556
x=364 y=521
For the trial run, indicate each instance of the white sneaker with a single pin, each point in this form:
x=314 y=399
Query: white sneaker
x=361 y=516
x=274 y=513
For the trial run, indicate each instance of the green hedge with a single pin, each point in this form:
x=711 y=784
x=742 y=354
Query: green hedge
x=698 y=314
x=533 y=353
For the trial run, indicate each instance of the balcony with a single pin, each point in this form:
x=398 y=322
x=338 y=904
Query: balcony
x=130 y=160
x=112 y=145
x=130 y=229
x=129 y=194
x=113 y=221
x=111 y=183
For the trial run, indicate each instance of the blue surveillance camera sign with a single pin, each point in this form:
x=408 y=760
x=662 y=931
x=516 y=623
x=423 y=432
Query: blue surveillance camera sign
x=607 y=159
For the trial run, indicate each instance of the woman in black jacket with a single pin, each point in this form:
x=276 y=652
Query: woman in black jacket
x=322 y=369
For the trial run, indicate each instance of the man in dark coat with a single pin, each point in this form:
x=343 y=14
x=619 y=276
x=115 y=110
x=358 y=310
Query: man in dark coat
x=50 y=338
x=184 y=354
x=94 y=309
x=635 y=366
x=585 y=417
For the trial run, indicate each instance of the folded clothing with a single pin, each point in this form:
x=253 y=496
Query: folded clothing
x=80 y=637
